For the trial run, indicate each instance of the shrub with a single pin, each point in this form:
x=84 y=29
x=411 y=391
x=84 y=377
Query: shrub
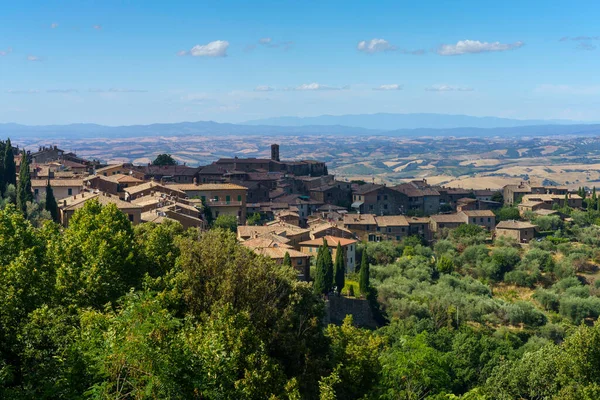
x=577 y=309
x=523 y=312
x=548 y=299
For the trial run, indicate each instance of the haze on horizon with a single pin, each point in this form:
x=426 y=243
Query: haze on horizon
x=145 y=62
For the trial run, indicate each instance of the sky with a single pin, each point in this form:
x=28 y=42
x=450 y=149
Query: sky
x=142 y=62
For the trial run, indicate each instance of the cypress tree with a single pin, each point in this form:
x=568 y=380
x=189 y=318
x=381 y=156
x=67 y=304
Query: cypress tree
x=2 y=178
x=24 y=193
x=363 y=282
x=51 y=205
x=339 y=270
x=319 y=286
x=287 y=261
x=10 y=169
x=328 y=264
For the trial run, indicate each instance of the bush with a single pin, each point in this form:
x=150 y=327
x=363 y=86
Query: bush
x=548 y=299
x=523 y=312
x=524 y=278
x=577 y=309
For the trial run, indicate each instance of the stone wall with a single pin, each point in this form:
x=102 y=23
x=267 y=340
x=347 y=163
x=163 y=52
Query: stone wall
x=337 y=307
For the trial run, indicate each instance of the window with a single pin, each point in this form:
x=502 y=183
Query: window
x=36 y=192
x=351 y=261
x=367 y=228
x=216 y=198
x=228 y=198
x=310 y=249
x=385 y=206
x=203 y=198
x=378 y=229
x=474 y=220
x=481 y=220
x=70 y=192
x=403 y=229
x=489 y=220
x=385 y=197
x=389 y=230
x=130 y=217
x=397 y=237
x=239 y=197
x=371 y=207
x=299 y=261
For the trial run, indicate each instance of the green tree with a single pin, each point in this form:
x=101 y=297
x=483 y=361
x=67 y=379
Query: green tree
x=50 y=203
x=98 y=259
x=10 y=169
x=24 y=193
x=339 y=269
x=498 y=197
x=254 y=219
x=507 y=213
x=445 y=265
x=207 y=212
x=320 y=285
x=227 y=222
x=287 y=261
x=164 y=159
x=328 y=262
x=2 y=175
x=363 y=283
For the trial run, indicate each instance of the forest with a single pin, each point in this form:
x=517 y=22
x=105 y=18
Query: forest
x=106 y=310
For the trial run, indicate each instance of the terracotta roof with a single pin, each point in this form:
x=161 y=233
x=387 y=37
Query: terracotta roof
x=57 y=182
x=332 y=241
x=282 y=230
x=288 y=214
x=367 y=188
x=109 y=167
x=121 y=178
x=269 y=240
x=243 y=160
x=279 y=253
x=479 y=213
x=466 y=200
x=191 y=187
x=392 y=220
x=359 y=219
x=149 y=185
x=77 y=201
x=515 y=225
x=325 y=226
x=417 y=220
x=411 y=189
x=448 y=218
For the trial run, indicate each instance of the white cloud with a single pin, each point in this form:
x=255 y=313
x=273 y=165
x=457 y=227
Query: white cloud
x=564 y=89
x=54 y=25
x=97 y=27
x=33 y=58
x=393 y=86
x=61 y=91
x=316 y=86
x=375 y=46
x=265 y=40
x=5 y=52
x=263 y=88
x=218 y=48
x=182 y=53
x=448 y=88
x=117 y=90
x=19 y=91
x=475 y=46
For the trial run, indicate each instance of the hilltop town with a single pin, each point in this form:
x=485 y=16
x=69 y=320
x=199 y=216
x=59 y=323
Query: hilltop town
x=278 y=206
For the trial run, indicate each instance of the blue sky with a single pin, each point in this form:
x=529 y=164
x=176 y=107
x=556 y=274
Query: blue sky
x=140 y=62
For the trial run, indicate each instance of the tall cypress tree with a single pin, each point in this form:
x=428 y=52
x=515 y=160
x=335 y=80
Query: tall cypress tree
x=10 y=169
x=2 y=177
x=287 y=260
x=319 y=286
x=339 y=269
x=363 y=282
x=328 y=265
x=24 y=193
x=51 y=205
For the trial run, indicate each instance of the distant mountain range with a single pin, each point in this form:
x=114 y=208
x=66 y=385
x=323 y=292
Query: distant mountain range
x=405 y=125
x=390 y=122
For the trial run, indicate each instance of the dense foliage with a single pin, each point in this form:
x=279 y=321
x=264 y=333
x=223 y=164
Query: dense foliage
x=102 y=309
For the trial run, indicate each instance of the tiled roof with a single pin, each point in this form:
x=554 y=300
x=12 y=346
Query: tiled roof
x=515 y=225
x=109 y=167
x=279 y=252
x=77 y=201
x=332 y=241
x=149 y=185
x=392 y=220
x=121 y=178
x=479 y=213
x=191 y=187
x=325 y=226
x=448 y=218
x=57 y=182
x=359 y=219
x=367 y=188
